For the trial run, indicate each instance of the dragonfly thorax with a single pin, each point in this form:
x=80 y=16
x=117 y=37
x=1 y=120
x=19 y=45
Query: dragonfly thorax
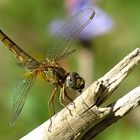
x=57 y=75
x=74 y=81
x=54 y=73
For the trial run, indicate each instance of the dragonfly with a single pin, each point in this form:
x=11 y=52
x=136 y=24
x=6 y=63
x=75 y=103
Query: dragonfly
x=50 y=69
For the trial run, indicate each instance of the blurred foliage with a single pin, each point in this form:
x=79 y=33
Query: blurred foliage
x=26 y=23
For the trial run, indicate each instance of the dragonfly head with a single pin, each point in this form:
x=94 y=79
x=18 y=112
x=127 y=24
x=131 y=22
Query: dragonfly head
x=74 y=81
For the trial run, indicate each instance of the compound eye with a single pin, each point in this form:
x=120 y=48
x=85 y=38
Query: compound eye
x=70 y=81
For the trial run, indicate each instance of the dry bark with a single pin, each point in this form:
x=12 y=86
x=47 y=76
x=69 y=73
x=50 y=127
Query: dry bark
x=87 y=118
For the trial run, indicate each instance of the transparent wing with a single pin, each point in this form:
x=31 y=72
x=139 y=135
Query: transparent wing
x=20 y=94
x=59 y=44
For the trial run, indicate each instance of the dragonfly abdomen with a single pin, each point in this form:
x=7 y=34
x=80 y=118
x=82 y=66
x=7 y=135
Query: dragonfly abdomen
x=18 y=53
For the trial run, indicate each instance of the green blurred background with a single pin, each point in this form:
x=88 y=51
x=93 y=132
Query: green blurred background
x=26 y=23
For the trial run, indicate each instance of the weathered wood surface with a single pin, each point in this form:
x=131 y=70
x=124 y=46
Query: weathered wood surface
x=87 y=119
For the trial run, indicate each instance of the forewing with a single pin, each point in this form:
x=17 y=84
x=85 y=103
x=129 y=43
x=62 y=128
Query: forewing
x=20 y=94
x=59 y=44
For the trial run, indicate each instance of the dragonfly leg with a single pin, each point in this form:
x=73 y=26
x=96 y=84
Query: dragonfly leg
x=65 y=94
x=69 y=98
x=62 y=96
x=51 y=100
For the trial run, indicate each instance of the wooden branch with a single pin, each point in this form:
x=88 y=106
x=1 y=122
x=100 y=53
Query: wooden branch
x=118 y=109
x=85 y=114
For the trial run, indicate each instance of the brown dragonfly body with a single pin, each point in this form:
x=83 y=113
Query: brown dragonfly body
x=49 y=69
